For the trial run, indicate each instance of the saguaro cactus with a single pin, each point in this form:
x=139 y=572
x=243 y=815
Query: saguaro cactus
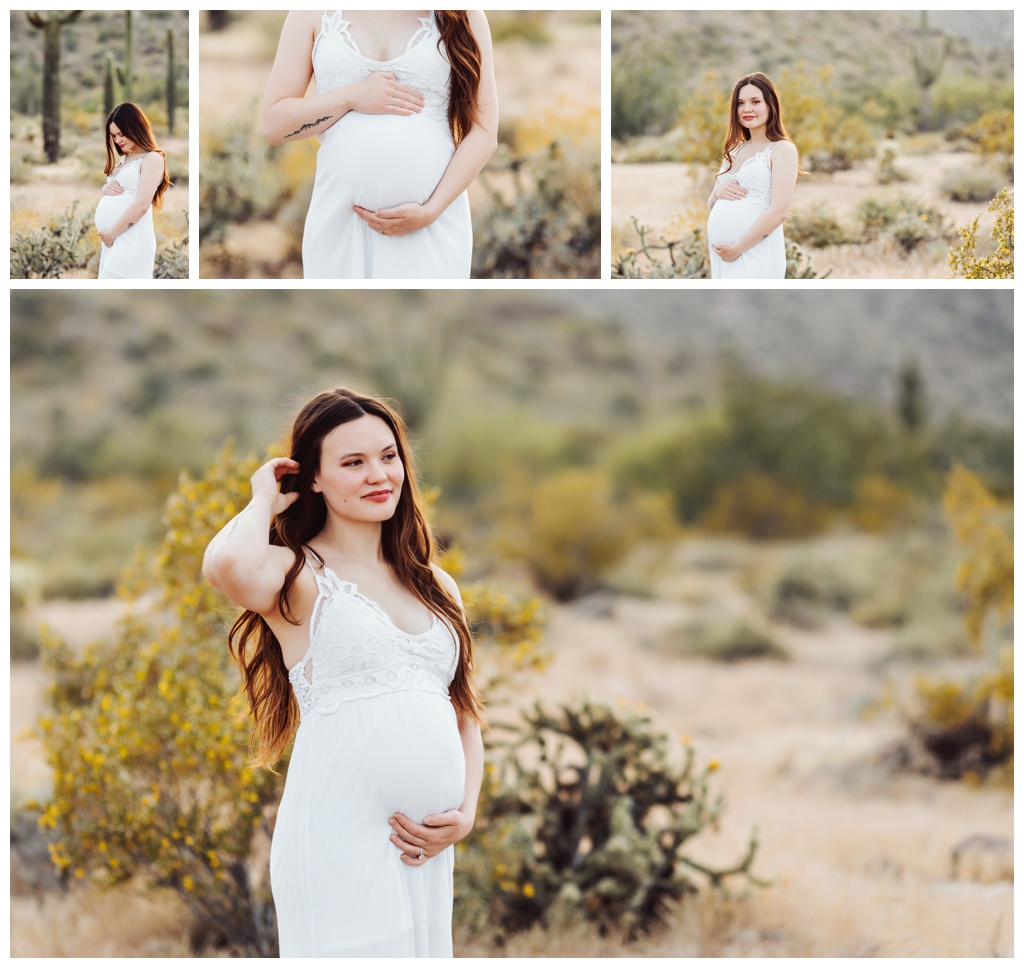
x=125 y=73
x=108 y=83
x=172 y=94
x=50 y=22
x=928 y=52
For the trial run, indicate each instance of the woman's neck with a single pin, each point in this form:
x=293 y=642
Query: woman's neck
x=352 y=540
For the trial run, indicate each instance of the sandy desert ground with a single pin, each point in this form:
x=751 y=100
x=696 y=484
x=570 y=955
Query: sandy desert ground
x=859 y=857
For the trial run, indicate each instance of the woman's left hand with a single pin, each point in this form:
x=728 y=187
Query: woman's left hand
x=727 y=251
x=400 y=220
x=107 y=238
x=418 y=842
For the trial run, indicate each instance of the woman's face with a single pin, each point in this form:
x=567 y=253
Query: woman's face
x=361 y=473
x=126 y=147
x=751 y=109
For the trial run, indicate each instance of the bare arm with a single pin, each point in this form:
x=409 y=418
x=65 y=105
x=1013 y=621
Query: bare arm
x=149 y=180
x=240 y=561
x=784 y=171
x=473 y=152
x=289 y=115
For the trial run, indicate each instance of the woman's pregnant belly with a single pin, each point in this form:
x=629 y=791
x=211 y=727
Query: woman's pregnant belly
x=731 y=219
x=110 y=209
x=381 y=160
x=396 y=753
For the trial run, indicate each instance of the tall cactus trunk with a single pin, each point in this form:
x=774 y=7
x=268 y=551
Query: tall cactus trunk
x=129 y=77
x=51 y=90
x=50 y=23
x=171 y=79
x=108 y=84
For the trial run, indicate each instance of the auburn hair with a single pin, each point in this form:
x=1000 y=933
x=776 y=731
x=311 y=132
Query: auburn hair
x=135 y=126
x=463 y=54
x=407 y=545
x=737 y=134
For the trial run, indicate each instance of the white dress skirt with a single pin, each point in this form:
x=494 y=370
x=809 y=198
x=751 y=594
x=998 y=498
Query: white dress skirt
x=382 y=160
x=730 y=219
x=134 y=250
x=378 y=735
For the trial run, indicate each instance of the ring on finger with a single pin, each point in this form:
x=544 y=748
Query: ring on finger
x=422 y=855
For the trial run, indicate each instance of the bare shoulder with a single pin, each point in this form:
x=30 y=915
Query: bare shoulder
x=478 y=24
x=153 y=160
x=302 y=24
x=447 y=581
x=785 y=150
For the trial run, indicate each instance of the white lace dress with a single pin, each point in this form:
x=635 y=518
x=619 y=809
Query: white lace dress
x=132 y=254
x=381 y=160
x=730 y=219
x=378 y=734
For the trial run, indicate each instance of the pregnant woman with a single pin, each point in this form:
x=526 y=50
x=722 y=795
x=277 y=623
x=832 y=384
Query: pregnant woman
x=352 y=631
x=407 y=116
x=135 y=186
x=754 y=187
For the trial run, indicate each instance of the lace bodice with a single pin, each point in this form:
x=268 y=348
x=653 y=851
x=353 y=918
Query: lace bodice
x=128 y=175
x=356 y=651
x=337 y=61
x=755 y=175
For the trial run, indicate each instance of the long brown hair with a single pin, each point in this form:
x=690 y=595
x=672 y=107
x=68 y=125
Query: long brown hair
x=774 y=129
x=135 y=126
x=408 y=548
x=463 y=54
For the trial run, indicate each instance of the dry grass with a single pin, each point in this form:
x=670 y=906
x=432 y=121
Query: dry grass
x=89 y=923
x=660 y=195
x=860 y=859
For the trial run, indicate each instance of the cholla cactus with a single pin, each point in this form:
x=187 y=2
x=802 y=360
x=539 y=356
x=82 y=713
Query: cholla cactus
x=587 y=816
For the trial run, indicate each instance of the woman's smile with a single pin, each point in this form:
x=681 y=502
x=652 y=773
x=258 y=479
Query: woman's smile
x=378 y=497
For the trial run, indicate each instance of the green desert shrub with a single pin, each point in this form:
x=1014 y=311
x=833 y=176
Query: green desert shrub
x=908 y=222
x=550 y=225
x=588 y=814
x=724 y=639
x=971 y=184
x=571 y=528
x=53 y=249
x=815 y=228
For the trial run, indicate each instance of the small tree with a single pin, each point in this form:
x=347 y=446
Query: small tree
x=51 y=22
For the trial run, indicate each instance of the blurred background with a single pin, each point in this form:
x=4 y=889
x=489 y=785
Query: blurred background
x=903 y=120
x=783 y=544
x=536 y=206
x=96 y=59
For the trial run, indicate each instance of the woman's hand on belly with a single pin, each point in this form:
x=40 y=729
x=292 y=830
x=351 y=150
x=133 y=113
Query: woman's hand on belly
x=730 y=189
x=112 y=188
x=399 y=220
x=382 y=93
x=728 y=251
x=418 y=842
x=107 y=237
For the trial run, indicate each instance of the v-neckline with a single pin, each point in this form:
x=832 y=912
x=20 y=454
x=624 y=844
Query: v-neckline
x=354 y=590
x=410 y=43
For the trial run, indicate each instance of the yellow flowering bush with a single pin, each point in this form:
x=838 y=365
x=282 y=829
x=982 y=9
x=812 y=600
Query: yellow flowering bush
x=148 y=742
x=966 y=726
x=963 y=260
x=587 y=814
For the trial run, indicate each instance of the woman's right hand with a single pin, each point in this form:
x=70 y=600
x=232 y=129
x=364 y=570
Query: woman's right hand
x=381 y=93
x=265 y=482
x=112 y=188
x=730 y=190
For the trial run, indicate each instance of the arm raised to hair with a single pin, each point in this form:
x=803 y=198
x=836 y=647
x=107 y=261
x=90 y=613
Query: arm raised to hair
x=290 y=115
x=240 y=561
